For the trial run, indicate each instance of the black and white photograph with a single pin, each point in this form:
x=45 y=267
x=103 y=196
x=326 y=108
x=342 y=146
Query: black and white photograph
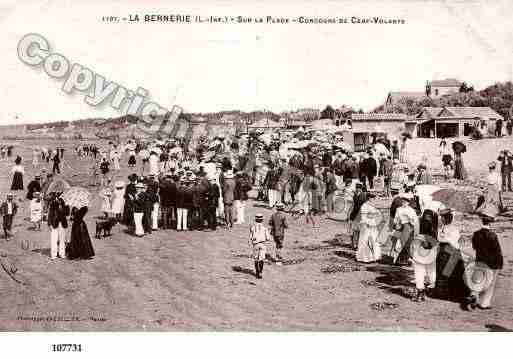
x=331 y=166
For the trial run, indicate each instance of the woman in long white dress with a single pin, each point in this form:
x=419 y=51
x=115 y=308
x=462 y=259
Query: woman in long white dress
x=369 y=248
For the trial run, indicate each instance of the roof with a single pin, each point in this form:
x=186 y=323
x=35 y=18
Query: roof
x=345 y=109
x=430 y=111
x=446 y=83
x=413 y=94
x=266 y=123
x=471 y=112
x=456 y=113
x=379 y=117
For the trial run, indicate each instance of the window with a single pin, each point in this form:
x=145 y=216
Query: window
x=436 y=92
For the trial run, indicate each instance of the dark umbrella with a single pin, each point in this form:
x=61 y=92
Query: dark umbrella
x=406 y=135
x=456 y=200
x=459 y=147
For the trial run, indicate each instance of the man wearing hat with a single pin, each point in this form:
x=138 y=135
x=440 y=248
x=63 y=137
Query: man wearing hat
x=258 y=236
x=228 y=197
x=58 y=212
x=139 y=207
x=213 y=195
x=167 y=192
x=489 y=256
x=278 y=224
x=8 y=210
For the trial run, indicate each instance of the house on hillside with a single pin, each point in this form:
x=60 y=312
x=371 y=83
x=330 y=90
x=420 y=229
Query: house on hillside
x=433 y=89
x=455 y=121
x=364 y=125
x=438 y=88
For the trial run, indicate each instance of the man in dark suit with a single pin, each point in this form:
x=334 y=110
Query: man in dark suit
x=213 y=202
x=167 y=200
x=58 y=212
x=489 y=254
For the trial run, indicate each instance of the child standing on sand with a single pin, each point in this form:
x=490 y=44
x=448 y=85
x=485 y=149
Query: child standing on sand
x=36 y=211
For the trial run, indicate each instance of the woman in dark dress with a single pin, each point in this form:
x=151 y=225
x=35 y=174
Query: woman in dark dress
x=450 y=267
x=80 y=246
x=17 y=175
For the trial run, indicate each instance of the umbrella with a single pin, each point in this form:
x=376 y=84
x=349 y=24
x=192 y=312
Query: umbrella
x=457 y=200
x=459 y=147
x=58 y=185
x=406 y=135
x=381 y=149
x=77 y=197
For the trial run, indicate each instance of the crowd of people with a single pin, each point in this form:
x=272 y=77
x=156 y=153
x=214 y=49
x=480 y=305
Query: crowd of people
x=205 y=187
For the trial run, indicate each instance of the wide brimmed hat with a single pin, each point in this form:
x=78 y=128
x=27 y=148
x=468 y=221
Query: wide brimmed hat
x=422 y=255
x=259 y=217
x=228 y=174
x=478 y=276
x=119 y=184
x=139 y=185
x=280 y=205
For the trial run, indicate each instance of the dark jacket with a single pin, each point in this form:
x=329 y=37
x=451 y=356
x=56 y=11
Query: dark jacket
x=213 y=195
x=242 y=187
x=139 y=204
x=506 y=163
x=4 y=208
x=488 y=249
x=33 y=186
x=57 y=213
x=358 y=201
x=168 y=193
x=278 y=224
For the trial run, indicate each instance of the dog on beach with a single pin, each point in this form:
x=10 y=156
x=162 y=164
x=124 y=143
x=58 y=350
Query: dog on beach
x=104 y=226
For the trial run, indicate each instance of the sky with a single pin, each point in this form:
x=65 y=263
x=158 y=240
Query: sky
x=278 y=67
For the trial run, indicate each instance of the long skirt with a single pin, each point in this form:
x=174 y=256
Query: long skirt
x=369 y=249
x=459 y=169
x=450 y=269
x=17 y=181
x=80 y=245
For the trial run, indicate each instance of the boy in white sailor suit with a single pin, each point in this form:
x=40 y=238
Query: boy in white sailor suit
x=258 y=236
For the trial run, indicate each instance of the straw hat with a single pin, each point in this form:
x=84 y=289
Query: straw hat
x=259 y=217
x=228 y=174
x=422 y=255
x=119 y=184
x=139 y=185
x=478 y=276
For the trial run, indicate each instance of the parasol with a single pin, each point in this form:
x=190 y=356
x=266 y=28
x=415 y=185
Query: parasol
x=406 y=135
x=58 y=185
x=456 y=200
x=77 y=197
x=381 y=149
x=459 y=147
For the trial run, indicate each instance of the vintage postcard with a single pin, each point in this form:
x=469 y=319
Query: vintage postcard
x=277 y=166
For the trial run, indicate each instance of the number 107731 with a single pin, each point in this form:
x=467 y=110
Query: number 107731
x=66 y=347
